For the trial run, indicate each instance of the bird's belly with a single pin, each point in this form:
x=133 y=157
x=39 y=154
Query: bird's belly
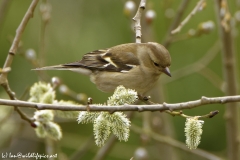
x=107 y=81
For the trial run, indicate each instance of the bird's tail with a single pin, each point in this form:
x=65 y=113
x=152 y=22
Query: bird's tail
x=56 y=67
x=80 y=70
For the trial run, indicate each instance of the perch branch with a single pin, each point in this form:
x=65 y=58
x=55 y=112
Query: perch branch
x=140 y=108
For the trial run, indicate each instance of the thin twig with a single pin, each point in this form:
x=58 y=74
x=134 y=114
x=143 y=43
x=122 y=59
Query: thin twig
x=3 y=11
x=137 y=19
x=229 y=70
x=140 y=108
x=50 y=147
x=4 y=70
x=176 y=21
x=193 y=12
x=19 y=32
x=25 y=117
x=178 y=113
x=174 y=143
x=12 y=51
x=196 y=66
x=213 y=78
x=106 y=149
x=7 y=115
x=79 y=153
x=45 y=10
x=8 y=90
x=12 y=96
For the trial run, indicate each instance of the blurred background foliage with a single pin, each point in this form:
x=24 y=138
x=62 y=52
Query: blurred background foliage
x=76 y=27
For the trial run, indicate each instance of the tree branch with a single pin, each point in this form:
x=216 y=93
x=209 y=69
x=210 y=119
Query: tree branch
x=137 y=19
x=196 y=66
x=3 y=10
x=196 y=8
x=169 y=141
x=12 y=51
x=140 y=108
x=176 y=21
x=229 y=72
x=180 y=113
x=79 y=153
x=101 y=154
x=19 y=32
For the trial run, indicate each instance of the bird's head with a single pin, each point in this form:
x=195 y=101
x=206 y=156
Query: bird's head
x=160 y=58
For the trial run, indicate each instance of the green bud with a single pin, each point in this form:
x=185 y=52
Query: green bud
x=193 y=132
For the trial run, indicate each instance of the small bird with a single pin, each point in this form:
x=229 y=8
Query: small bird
x=134 y=65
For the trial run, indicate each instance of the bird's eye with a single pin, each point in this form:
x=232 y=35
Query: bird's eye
x=156 y=64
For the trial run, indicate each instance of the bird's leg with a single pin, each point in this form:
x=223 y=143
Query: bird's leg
x=145 y=99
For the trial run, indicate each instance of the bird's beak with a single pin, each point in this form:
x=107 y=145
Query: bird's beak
x=167 y=71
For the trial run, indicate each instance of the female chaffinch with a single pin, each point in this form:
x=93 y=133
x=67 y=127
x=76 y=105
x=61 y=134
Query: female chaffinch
x=134 y=65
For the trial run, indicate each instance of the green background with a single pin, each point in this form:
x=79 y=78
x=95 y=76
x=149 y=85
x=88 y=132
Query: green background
x=77 y=27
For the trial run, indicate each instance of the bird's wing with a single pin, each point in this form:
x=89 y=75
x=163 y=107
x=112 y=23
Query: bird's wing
x=105 y=60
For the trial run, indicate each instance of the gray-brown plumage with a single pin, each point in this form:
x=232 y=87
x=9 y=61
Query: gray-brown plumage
x=133 y=65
